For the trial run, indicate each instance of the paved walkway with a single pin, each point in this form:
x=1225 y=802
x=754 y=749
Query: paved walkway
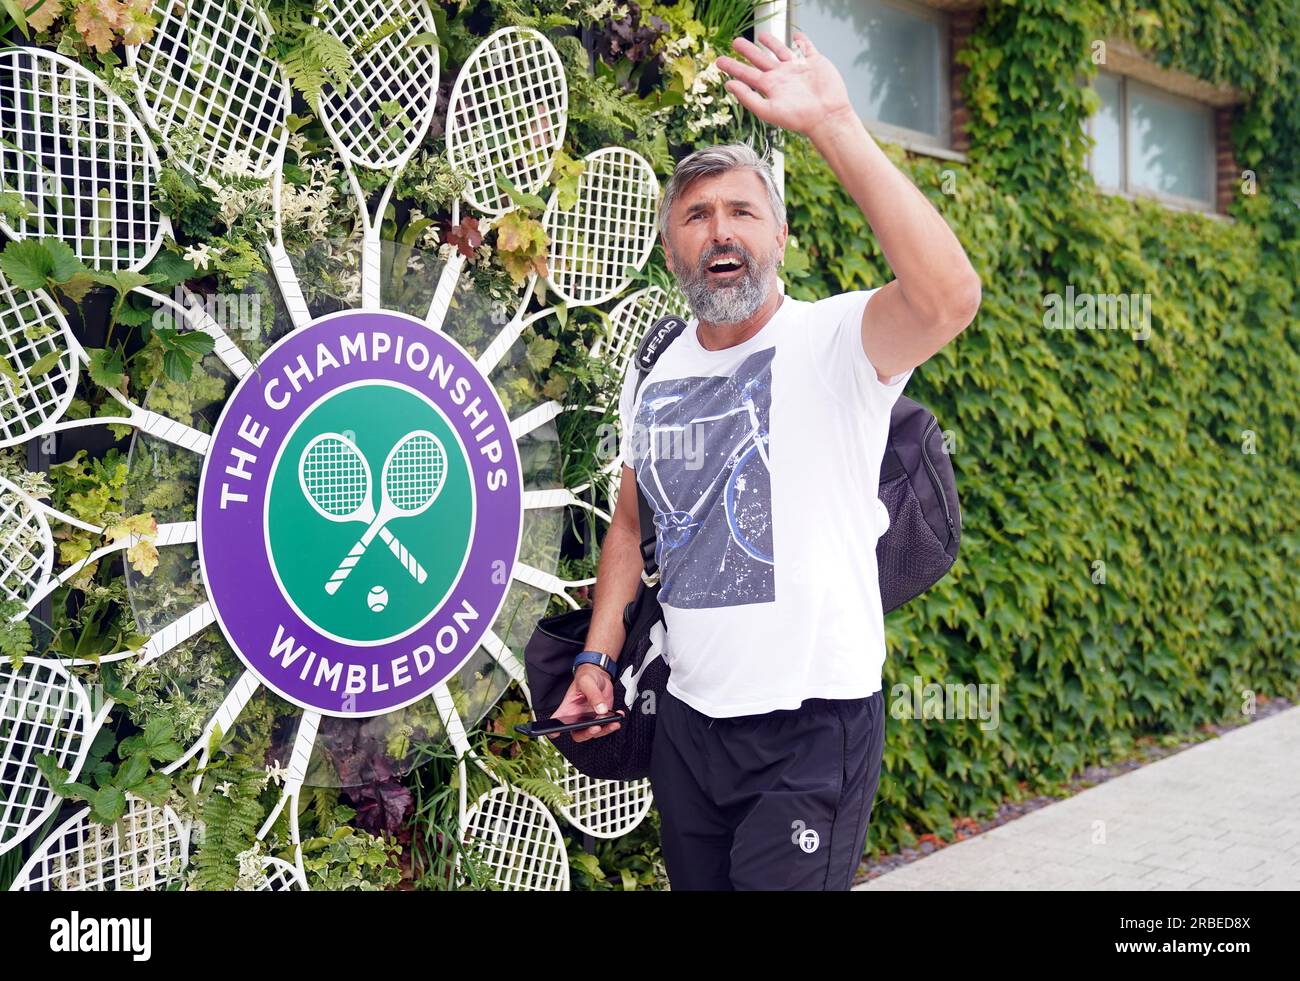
x=1224 y=814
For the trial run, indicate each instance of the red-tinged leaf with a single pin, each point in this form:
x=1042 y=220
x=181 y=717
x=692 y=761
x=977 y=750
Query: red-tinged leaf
x=466 y=237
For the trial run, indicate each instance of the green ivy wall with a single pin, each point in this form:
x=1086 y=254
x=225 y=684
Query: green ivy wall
x=1074 y=448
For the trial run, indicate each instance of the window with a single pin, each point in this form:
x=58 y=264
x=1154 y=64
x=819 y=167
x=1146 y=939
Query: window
x=1152 y=142
x=894 y=58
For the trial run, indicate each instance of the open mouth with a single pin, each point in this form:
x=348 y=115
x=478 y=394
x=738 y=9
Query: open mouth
x=726 y=267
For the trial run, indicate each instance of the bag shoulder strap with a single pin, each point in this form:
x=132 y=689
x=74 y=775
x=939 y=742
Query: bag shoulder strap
x=662 y=333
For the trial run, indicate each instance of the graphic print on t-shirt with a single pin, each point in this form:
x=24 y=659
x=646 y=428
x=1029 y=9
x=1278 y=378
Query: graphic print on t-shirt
x=702 y=462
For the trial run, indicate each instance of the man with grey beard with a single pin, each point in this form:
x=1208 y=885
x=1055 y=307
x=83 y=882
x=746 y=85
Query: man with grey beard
x=769 y=737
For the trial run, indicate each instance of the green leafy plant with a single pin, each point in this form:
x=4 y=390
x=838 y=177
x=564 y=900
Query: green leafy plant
x=312 y=58
x=105 y=787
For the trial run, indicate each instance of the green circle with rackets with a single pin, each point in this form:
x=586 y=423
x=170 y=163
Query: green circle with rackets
x=370 y=513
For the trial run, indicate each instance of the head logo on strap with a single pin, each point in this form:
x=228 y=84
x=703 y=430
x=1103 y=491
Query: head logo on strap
x=658 y=337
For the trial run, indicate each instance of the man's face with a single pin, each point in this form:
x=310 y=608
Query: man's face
x=724 y=217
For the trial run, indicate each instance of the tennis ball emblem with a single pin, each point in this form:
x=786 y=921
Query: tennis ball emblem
x=377 y=599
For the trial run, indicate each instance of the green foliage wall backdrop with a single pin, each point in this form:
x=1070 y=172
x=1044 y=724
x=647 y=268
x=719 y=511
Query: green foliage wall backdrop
x=1080 y=447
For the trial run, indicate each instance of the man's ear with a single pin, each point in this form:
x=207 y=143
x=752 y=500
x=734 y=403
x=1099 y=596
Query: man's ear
x=781 y=238
x=668 y=253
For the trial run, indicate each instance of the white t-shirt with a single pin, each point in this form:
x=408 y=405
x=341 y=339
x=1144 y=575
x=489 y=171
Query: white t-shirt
x=762 y=464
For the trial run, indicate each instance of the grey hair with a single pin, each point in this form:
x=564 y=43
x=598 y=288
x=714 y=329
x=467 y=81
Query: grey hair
x=713 y=160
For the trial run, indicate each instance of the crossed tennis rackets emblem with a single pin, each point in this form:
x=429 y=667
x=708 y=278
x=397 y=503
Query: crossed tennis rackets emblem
x=335 y=477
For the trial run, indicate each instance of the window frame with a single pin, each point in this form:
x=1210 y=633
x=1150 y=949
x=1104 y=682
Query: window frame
x=1126 y=188
x=912 y=139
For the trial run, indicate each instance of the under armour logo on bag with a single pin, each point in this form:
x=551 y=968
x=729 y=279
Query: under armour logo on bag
x=806 y=838
x=632 y=680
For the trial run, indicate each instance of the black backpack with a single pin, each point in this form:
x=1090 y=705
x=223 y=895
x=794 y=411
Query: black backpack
x=918 y=488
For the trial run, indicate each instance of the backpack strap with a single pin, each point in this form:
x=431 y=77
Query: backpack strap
x=662 y=333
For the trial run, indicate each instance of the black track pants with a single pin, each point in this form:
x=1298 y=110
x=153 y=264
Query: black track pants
x=779 y=800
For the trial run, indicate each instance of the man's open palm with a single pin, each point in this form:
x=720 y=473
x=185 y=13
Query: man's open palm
x=783 y=89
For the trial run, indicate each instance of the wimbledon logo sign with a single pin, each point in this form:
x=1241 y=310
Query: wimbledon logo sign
x=360 y=513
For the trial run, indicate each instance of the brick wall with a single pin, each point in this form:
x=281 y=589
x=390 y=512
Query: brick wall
x=1227 y=176
x=960 y=25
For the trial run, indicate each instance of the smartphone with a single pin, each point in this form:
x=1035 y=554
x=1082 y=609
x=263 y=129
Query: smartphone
x=549 y=727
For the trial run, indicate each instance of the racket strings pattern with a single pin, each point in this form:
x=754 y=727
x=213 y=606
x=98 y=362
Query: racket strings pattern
x=610 y=227
x=26 y=548
x=81 y=162
x=387 y=69
x=415 y=472
x=279 y=876
x=205 y=71
x=336 y=476
x=518 y=840
x=43 y=709
x=508 y=114
x=146 y=850
x=30 y=335
x=604 y=808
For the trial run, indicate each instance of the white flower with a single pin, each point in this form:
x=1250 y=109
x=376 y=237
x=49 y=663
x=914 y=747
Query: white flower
x=250 y=867
x=276 y=773
x=201 y=254
x=224 y=788
x=237 y=164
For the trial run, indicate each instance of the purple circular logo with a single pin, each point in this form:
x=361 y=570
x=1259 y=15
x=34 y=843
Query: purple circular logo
x=360 y=513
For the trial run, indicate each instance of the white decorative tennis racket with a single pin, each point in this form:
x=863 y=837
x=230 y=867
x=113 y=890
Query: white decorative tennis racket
x=280 y=876
x=27 y=546
x=80 y=855
x=379 y=118
x=507 y=115
x=147 y=849
x=43 y=709
x=507 y=829
x=412 y=478
x=335 y=477
x=84 y=166
x=206 y=71
x=45 y=359
x=27 y=561
x=593 y=245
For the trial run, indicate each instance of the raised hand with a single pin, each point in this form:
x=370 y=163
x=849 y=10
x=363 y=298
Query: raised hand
x=795 y=90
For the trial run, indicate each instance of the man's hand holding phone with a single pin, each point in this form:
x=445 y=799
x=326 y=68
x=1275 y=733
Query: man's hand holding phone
x=592 y=690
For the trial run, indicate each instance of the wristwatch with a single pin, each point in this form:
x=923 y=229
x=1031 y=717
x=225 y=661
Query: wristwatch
x=596 y=657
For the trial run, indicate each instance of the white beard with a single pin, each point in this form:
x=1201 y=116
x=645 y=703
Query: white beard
x=733 y=302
